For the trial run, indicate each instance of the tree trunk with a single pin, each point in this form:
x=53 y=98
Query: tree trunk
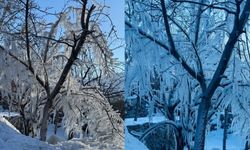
x=137 y=108
x=180 y=140
x=225 y=129
x=44 y=124
x=199 y=142
x=26 y=127
x=55 y=129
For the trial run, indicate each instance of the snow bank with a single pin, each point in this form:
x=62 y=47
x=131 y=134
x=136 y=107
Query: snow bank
x=87 y=144
x=11 y=139
x=132 y=143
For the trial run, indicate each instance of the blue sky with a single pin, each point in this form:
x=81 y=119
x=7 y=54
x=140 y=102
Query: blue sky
x=117 y=15
x=116 y=12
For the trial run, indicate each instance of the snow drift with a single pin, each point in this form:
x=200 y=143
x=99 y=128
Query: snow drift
x=12 y=139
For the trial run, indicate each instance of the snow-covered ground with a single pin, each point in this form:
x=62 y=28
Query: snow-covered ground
x=213 y=139
x=132 y=143
x=142 y=120
x=11 y=139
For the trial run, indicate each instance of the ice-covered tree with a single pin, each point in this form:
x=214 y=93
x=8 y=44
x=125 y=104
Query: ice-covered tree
x=193 y=55
x=47 y=53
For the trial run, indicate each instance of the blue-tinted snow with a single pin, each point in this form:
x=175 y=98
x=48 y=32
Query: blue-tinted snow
x=142 y=120
x=9 y=114
x=214 y=141
x=132 y=143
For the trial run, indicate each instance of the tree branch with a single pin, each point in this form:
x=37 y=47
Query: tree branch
x=207 y=5
x=40 y=81
x=51 y=33
x=27 y=33
x=226 y=55
x=75 y=50
x=174 y=52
